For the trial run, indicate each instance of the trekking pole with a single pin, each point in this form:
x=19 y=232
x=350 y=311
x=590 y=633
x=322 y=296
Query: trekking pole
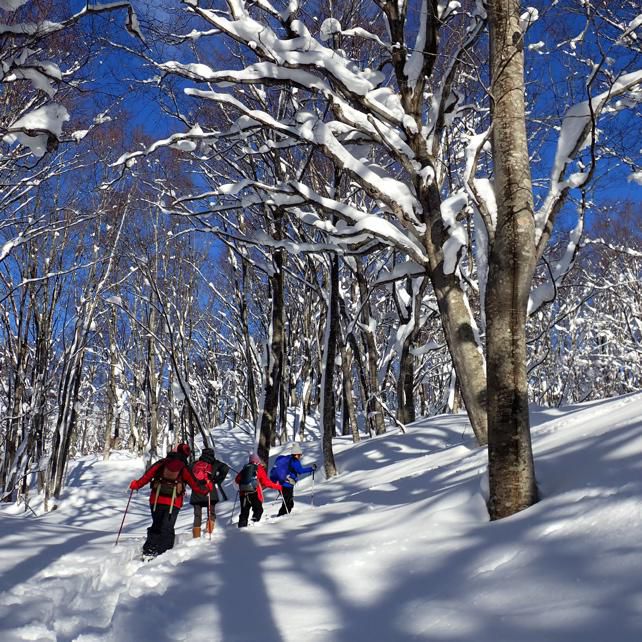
x=287 y=510
x=233 y=507
x=312 y=498
x=230 y=467
x=209 y=512
x=131 y=492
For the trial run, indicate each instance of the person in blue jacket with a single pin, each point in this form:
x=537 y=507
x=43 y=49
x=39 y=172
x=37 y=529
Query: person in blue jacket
x=295 y=470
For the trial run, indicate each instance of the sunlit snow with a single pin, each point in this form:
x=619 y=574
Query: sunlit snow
x=397 y=547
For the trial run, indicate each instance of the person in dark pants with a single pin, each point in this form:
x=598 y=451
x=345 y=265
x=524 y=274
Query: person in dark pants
x=251 y=479
x=207 y=468
x=168 y=478
x=295 y=470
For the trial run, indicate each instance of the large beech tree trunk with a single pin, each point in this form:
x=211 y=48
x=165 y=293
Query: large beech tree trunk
x=511 y=265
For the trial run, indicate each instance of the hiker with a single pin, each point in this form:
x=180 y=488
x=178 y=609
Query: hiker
x=287 y=469
x=207 y=468
x=168 y=477
x=251 y=479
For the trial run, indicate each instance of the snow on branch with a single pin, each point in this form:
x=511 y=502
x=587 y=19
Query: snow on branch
x=46 y=27
x=545 y=293
x=575 y=134
x=414 y=67
x=458 y=237
x=11 y=5
x=41 y=74
x=354 y=223
x=39 y=130
x=292 y=53
x=395 y=194
x=185 y=141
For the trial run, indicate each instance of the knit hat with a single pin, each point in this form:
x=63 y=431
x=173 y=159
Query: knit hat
x=254 y=459
x=296 y=450
x=183 y=449
x=207 y=455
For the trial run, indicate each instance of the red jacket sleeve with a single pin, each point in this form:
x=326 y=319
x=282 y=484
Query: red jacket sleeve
x=150 y=473
x=265 y=481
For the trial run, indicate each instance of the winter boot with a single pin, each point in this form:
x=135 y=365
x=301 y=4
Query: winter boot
x=196 y=532
x=210 y=525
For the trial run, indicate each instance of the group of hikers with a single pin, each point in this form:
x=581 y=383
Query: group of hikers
x=170 y=476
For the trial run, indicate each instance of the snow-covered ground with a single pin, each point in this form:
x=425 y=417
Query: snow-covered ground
x=397 y=547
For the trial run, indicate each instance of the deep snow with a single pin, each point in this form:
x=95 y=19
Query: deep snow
x=397 y=547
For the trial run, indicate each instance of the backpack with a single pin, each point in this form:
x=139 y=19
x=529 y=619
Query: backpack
x=248 y=481
x=169 y=483
x=201 y=471
x=281 y=468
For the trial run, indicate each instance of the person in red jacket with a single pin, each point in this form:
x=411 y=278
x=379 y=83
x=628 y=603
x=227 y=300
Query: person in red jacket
x=168 y=478
x=251 y=480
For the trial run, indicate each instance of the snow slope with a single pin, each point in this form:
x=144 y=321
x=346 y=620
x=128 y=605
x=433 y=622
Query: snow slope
x=397 y=547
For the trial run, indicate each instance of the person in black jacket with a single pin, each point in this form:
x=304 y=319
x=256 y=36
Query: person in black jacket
x=207 y=468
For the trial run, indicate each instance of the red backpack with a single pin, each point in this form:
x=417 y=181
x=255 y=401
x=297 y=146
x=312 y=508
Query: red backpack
x=201 y=471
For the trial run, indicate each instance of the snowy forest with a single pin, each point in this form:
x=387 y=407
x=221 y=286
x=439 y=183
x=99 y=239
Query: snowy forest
x=231 y=214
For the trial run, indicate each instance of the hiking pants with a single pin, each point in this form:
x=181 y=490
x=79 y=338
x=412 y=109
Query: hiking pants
x=160 y=535
x=288 y=500
x=198 y=514
x=250 y=500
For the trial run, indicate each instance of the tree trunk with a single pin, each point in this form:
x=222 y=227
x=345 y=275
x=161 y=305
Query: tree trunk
x=111 y=384
x=67 y=418
x=274 y=361
x=349 y=413
x=328 y=404
x=464 y=347
x=152 y=385
x=511 y=265
x=405 y=381
x=409 y=315
x=357 y=358
x=373 y=405
x=249 y=361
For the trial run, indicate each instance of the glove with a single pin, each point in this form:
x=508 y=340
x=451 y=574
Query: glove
x=135 y=485
x=209 y=486
x=314 y=467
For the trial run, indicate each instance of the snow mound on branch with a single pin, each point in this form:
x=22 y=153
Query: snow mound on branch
x=36 y=129
x=329 y=27
x=11 y=5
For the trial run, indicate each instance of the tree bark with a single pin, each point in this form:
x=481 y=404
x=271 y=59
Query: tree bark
x=511 y=266
x=152 y=384
x=457 y=321
x=111 y=385
x=328 y=404
x=247 y=352
x=373 y=405
x=274 y=361
x=349 y=414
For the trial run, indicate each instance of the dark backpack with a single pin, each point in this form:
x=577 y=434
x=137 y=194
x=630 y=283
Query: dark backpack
x=281 y=469
x=169 y=481
x=248 y=482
